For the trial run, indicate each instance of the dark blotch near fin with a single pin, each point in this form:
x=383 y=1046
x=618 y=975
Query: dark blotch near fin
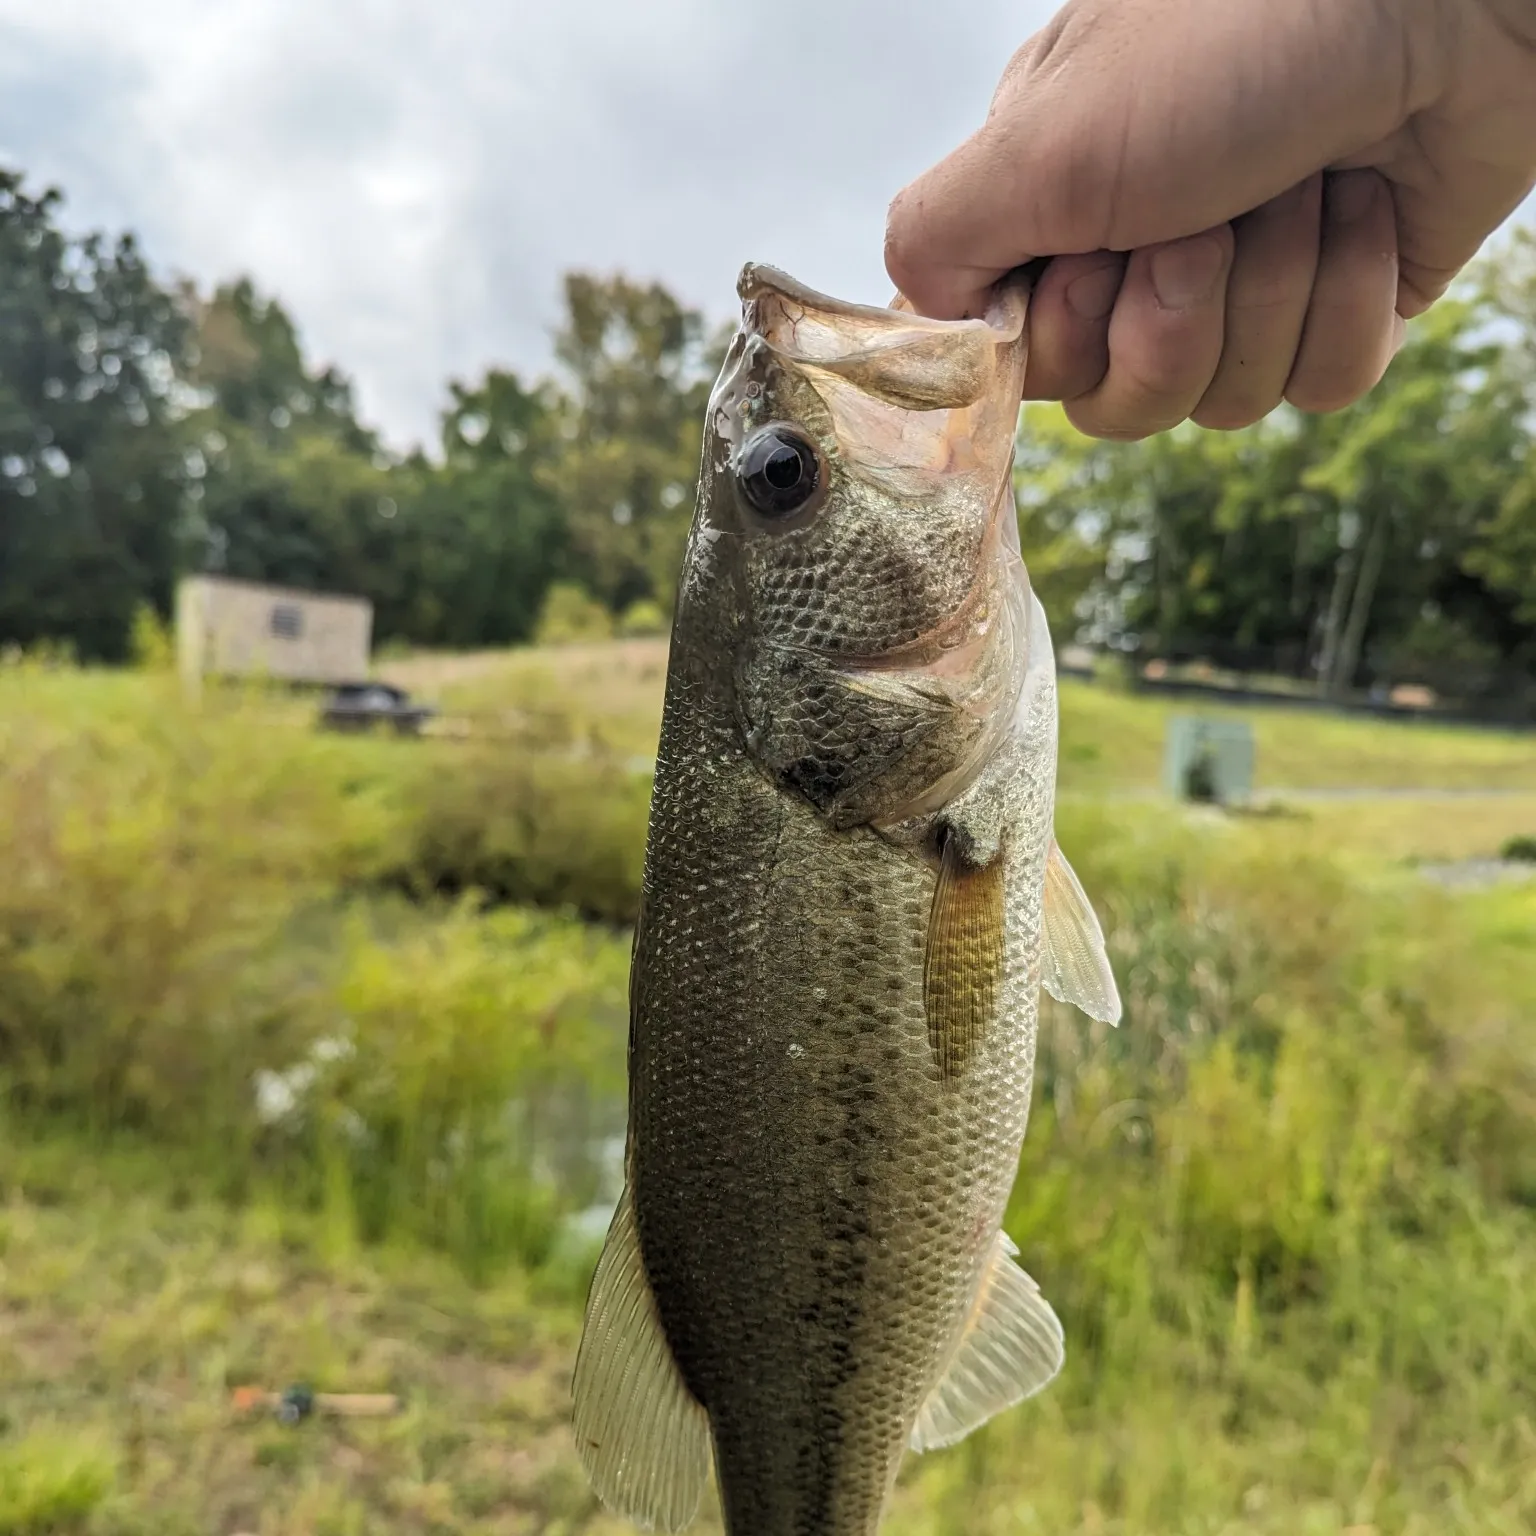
x=819 y=780
x=963 y=966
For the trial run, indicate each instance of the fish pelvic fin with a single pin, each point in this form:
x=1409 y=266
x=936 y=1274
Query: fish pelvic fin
x=1011 y=1348
x=1074 y=967
x=963 y=961
x=641 y=1435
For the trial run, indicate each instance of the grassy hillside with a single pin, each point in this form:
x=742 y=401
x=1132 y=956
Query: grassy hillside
x=284 y=1100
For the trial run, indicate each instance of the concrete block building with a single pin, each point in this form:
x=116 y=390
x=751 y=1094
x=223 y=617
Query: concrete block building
x=229 y=628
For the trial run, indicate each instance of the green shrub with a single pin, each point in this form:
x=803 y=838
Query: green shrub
x=421 y=1113
x=645 y=616
x=1521 y=849
x=572 y=614
x=162 y=866
x=544 y=829
x=151 y=642
x=185 y=955
x=50 y=1483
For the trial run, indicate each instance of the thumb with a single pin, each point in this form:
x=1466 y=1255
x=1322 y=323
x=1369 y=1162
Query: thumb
x=1130 y=122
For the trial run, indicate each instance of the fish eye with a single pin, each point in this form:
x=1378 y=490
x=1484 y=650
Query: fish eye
x=778 y=471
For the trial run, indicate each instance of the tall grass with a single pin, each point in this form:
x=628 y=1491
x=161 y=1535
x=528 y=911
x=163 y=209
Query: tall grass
x=1287 y=1211
x=548 y=828
x=187 y=956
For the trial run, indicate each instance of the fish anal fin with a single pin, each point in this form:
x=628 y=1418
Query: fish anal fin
x=1074 y=967
x=963 y=961
x=641 y=1435
x=1011 y=1348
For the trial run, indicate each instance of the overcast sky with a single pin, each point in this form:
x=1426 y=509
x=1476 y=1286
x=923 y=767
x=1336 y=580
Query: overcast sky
x=411 y=177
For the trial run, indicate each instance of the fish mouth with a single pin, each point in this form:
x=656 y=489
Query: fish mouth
x=790 y=301
x=950 y=417
x=892 y=352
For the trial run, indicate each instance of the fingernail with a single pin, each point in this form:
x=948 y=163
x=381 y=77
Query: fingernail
x=1351 y=195
x=1399 y=334
x=1093 y=295
x=1186 y=272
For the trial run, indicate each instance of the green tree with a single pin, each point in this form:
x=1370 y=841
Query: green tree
x=1415 y=477
x=247 y=357
x=285 y=485
x=641 y=365
x=90 y=468
x=485 y=530
x=1371 y=543
x=1504 y=550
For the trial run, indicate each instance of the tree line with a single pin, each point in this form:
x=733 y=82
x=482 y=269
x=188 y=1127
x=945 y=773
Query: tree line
x=1393 y=542
x=148 y=430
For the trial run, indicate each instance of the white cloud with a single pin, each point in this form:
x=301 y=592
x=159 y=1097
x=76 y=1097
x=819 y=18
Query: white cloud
x=411 y=178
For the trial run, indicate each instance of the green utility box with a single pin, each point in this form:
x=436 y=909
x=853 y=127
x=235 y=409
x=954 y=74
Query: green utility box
x=1209 y=760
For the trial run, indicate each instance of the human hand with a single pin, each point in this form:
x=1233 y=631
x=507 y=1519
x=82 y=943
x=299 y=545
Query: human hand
x=1244 y=199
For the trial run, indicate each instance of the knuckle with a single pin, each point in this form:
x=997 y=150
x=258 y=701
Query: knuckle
x=1232 y=413
x=1091 y=417
x=1270 y=293
x=1239 y=396
x=1062 y=377
x=1320 y=391
x=898 y=235
x=1167 y=384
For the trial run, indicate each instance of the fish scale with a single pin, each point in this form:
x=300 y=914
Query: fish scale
x=828 y=1093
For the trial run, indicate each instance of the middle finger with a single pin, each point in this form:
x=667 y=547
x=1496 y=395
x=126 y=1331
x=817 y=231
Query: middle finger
x=1267 y=294
x=1164 y=338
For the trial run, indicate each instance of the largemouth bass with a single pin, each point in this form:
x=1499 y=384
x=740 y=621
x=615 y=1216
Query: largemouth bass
x=852 y=897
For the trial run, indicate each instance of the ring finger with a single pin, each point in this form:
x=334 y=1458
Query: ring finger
x=1352 y=328
x=1267 y=294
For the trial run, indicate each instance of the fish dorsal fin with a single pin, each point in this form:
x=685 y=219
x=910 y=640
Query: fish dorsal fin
x=641 y=1435
x=963 y=962
x=1011 y=1348
x=1074 y=967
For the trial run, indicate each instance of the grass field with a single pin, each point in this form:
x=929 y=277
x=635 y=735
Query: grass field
x=1110 y=739
x=256 y=1072
x=128 y=1313
x=1479 y=785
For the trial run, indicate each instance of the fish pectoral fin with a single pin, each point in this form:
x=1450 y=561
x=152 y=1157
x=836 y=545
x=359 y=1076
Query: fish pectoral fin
x=915 y=692
x=641 y=1435
x=1074 y=967
x=963 y=961
x=1011 y=1348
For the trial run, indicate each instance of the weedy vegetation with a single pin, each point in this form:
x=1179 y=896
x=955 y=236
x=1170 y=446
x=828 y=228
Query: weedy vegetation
x=311 y=1061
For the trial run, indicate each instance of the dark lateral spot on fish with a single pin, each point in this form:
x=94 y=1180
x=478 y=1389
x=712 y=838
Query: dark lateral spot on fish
x=819 y=781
